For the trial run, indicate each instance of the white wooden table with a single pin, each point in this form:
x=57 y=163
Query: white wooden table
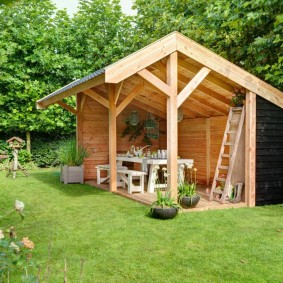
x=152 y=162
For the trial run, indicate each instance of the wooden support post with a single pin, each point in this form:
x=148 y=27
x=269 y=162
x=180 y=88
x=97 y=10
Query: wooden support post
x=172 y=124
x=250 y=154
x=207 y=151
x=79 y=119
x=112 y=138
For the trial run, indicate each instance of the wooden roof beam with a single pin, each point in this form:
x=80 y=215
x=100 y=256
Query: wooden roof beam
x=67 y=107
x=206 y=91
x=155 y=81
x=197 y=108
x=128 y=99
x=211 y=106
x=192 y=70
x=139 y=60
x=118 y=89
x=74 y=90
x=97 y=97
x=191 y=86
x=225 y=68
x=82 y=102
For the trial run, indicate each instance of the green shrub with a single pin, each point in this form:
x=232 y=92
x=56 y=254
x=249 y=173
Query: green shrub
x=72 y=154
x=45 y=152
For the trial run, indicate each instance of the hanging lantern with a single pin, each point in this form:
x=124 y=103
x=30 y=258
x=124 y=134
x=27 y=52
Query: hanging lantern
x=180 y=114
x=152 y=127
x=134 y=118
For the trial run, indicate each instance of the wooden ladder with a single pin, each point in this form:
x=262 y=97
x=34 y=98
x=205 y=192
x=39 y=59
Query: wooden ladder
x=233 y=128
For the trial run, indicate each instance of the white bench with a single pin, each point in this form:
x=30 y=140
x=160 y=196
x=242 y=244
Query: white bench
x=106 y=167
x=127 y=178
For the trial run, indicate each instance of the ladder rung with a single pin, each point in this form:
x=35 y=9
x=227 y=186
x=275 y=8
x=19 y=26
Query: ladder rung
x=233 y=120
x=225 y=155
x=223 y=167
x=218 y=192
x=228 y=143
x=231 y=132
x=237 y=109
x=221 y=179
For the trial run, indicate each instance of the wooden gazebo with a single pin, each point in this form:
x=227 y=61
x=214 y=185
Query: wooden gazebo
x=172 y=72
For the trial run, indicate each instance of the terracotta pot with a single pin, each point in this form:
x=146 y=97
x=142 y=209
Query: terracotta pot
x=164 y=213
x=189 y=202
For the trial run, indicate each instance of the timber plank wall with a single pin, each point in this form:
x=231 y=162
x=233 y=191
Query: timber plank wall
x=269 y=153
x=199 y=139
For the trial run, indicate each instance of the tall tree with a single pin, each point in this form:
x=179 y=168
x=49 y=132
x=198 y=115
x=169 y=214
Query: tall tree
x=100 y=34
x=33 y=62
x=246 y=32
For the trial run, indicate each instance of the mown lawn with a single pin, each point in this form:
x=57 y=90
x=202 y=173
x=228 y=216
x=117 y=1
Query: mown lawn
x=117 y=242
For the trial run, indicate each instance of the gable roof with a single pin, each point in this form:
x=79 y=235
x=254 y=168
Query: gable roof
x=218 y=85
x=178 y=42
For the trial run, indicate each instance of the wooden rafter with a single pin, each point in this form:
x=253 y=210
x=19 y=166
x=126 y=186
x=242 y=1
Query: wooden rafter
x=210 y=105
x=141 y=59
x=228 y=70
x=69 y=92
x=192 y=70
x=191 y=86
x=154 y=111
x=128 y=99
x=206 y=91
x=67 y=107
x=197 y=108
x=154 y=80
x=97 y=97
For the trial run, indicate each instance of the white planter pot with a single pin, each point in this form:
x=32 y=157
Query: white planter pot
x=72 y=174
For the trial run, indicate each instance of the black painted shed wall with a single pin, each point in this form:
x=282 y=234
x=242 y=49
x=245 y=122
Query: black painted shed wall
x=269 y=153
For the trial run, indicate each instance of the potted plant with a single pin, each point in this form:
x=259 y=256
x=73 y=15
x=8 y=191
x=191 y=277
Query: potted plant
x=165 y=206
x=238 y=97
x=72 y=157
x=187 y=194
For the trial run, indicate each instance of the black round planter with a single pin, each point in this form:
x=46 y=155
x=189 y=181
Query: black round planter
x=189 y=202
x=164 y=213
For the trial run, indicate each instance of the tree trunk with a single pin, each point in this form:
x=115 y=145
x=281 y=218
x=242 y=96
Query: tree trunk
x=28 y=140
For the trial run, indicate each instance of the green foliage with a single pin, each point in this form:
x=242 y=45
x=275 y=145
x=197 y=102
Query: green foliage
x=186 y=190
x=15 y=254
x=248 y=33
x=33 y=64
x=45 y=152
x=164 y=200
x=72 y=154
x=99 y=34
x=135 y=131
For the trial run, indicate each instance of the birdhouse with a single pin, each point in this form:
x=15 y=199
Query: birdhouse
x=15 y=142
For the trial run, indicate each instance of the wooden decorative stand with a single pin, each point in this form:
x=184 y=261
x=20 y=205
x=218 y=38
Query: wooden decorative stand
x=16 y=144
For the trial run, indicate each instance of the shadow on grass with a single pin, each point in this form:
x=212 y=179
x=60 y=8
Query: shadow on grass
x=52 y=179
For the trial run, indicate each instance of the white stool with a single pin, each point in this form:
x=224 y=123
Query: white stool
x=127 y=178
x=106 y=167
